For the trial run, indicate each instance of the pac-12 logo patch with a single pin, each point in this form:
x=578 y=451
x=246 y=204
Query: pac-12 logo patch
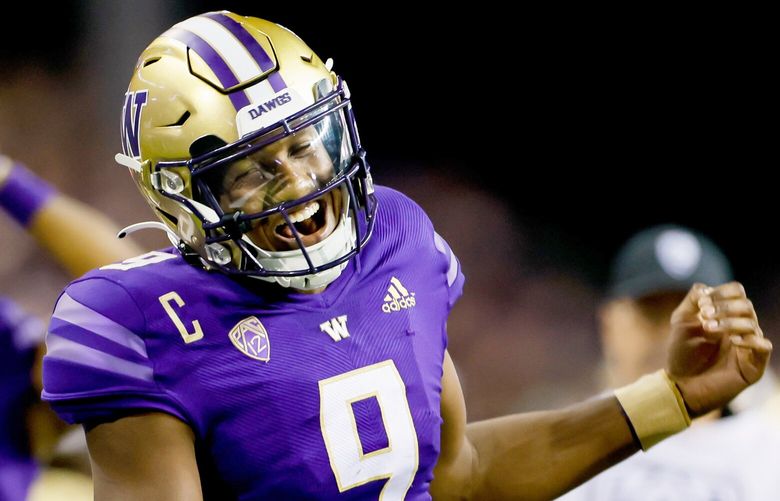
x=251 y=338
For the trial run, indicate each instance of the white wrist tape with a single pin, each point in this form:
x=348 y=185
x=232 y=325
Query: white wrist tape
x=655 y=408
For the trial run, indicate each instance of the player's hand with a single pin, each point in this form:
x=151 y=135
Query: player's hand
x=717 y=347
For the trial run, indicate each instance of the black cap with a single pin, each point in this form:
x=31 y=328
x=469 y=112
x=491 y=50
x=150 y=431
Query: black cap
x=666 y=258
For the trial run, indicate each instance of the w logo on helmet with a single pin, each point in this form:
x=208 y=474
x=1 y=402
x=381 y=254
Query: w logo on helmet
x=131 y=122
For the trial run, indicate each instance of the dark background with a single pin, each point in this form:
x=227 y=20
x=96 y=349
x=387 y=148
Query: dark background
x=589 y=123
x=537 y=140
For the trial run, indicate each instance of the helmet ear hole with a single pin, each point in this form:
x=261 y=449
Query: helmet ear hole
x=205 y=144
x=213 y=177
x=167 y=216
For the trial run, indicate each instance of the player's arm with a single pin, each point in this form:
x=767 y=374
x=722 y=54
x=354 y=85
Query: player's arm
x=146 y=457
x=77 y=236
x=536 y=455
x=717 y=350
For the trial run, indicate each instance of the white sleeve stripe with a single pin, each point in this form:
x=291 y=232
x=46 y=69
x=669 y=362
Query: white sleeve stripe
x=64 y=349
x=73 y=312
x=452 y=272
x=441 y=246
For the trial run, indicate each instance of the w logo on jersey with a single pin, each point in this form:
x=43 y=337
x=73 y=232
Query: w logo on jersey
x=336 y=328
x=131 y=122
x=251 y=338
x=398 y=297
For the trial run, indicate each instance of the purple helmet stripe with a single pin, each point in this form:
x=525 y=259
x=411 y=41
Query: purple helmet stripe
x=252 y=45
x=214 y=61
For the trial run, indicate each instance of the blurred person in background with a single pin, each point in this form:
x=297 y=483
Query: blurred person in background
x=41 y=458
x=722 y=457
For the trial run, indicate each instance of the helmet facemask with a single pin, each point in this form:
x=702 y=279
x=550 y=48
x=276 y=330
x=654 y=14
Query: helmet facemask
x=289 y=202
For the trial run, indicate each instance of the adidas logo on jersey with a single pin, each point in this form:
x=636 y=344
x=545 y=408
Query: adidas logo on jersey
x=397 y=297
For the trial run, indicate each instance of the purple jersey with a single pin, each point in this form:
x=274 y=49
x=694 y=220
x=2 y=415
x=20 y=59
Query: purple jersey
x=290 y=396
x=20 y=334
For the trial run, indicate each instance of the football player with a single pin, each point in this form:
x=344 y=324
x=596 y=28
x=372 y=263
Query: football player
x=291 y=344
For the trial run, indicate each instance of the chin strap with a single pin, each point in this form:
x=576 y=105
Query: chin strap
x=150 y=225
x=129 y=162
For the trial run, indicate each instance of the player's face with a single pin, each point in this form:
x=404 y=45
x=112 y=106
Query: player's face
x=283 y=171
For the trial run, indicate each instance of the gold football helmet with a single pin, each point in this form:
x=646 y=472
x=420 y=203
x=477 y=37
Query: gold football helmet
x=245 y=145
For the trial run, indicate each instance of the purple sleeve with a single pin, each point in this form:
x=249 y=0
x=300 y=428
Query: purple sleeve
x=97 y=367
x=455 y=277
x=20 y=335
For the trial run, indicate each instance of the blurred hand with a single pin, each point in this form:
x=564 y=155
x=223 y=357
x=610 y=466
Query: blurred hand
x=717 y=347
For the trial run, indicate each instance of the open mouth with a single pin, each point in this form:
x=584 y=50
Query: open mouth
x=307 y=221
x=313 y=221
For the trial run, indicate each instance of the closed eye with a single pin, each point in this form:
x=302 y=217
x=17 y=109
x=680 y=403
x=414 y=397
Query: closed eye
x=250 y=175
x=301 y=149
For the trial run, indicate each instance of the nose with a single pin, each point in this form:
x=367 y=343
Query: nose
x=292 y=180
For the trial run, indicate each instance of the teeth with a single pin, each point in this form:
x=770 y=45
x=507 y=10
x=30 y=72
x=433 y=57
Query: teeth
x=304 y=214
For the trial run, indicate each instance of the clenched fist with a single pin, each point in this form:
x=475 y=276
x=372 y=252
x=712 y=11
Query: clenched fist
x=717 y=347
